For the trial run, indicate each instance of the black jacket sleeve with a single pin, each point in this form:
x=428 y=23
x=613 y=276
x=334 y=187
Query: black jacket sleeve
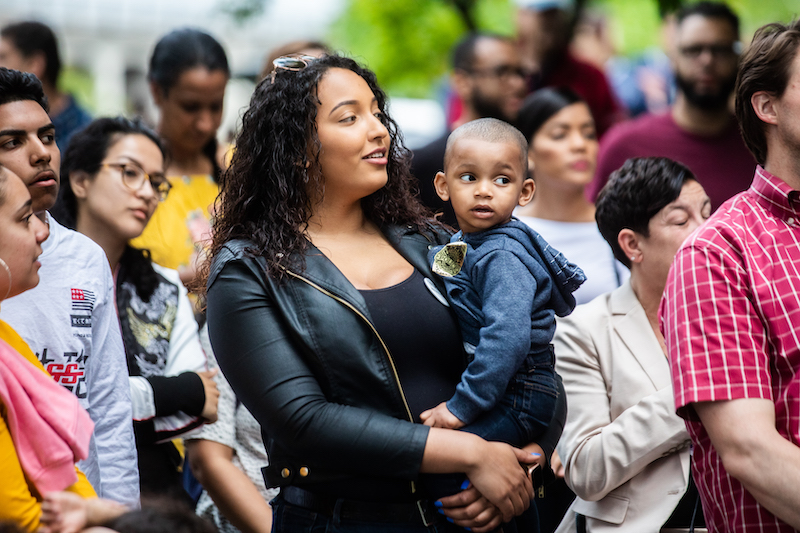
x=262 y=359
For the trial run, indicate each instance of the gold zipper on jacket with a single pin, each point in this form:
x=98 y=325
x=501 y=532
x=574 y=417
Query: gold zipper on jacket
x=356 y=311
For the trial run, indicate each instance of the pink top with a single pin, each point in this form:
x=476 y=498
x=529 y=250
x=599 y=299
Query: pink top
x=49 y=428
x=731 y=320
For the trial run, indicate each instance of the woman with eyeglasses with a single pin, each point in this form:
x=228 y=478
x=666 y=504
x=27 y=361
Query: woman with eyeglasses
x=327 y=322
x=188 y=75
x=113 y=180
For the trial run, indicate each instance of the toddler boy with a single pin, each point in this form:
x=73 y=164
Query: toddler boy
x=505 y=283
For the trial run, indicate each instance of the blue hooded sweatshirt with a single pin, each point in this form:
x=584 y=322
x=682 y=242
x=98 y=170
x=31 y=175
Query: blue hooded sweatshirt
x=506 y=294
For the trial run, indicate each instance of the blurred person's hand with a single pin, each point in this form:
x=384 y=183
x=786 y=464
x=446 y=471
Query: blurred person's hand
x=67 y=512
x=212 y=395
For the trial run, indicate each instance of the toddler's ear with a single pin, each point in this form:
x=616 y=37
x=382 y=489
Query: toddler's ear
x=440 y=184
x=526 y=194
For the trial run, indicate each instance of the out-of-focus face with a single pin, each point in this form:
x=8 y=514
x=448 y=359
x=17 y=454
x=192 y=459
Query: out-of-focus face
x=191 y=110
x=541 y=35
x=670 y=227
x=484 y=181
x=21 y=237
x=706 y=61
x=28 y=148
x=497 y=82
x=106 y=205
x=12 y=58
x=354 y=141
x=563 y=152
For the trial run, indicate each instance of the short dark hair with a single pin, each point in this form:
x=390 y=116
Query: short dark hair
x=16 y=86
x=489 y=130
x=710 y=10
x=635 y=192
x=540 y=106
x=765 y=66
x=463 y=57
x=32 y=38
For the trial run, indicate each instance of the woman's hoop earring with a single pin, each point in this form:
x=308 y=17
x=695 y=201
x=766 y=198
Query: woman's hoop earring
x=8 y=272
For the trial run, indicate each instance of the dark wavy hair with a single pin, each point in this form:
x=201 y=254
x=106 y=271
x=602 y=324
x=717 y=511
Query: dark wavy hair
x=85 y=153
x=181 y=50
x=634 y=194
x=265 y=193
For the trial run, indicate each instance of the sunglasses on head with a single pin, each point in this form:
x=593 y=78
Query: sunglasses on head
x=292 y=63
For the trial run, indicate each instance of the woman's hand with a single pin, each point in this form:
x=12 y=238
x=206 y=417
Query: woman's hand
x=501 y=479
x=470 y=509
x=441 y=417
x=494 y=468
x=212 y=395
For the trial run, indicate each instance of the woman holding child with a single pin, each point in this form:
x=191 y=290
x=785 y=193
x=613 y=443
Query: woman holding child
x=318 y=273
x=625 y=450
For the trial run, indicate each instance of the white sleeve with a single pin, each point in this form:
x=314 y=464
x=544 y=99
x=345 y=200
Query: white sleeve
x=110 y=402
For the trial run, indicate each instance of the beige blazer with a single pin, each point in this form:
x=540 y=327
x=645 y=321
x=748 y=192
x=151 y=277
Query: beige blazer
x=625 y=450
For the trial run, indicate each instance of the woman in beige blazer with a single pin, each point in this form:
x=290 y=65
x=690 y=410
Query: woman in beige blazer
x=625 y=450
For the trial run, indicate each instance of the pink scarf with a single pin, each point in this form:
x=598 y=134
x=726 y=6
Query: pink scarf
x=49 y=428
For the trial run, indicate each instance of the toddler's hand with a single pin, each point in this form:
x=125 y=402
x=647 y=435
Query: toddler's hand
x=441 y=417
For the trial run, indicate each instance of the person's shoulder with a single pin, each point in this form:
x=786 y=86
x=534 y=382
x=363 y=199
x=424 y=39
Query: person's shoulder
x=70 y=243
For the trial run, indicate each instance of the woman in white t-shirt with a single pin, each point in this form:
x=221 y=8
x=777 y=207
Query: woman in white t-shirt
x=562 y=156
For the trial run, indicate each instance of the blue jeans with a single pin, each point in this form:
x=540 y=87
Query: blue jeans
x=288 y=518
x=524 y=411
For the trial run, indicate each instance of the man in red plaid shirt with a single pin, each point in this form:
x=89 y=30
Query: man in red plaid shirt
x=731 y=312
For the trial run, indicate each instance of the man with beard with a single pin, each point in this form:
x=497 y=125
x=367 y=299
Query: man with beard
x=489 y=81
x=699 y=130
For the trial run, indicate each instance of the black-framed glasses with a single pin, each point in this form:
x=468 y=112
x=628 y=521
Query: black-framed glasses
x=292 y=63
x=134 y=176
x=717 y=51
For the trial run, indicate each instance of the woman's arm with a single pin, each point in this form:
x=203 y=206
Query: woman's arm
x=232 y=491
x=599 y=453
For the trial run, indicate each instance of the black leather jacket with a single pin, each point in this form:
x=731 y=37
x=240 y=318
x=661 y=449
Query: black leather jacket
x=305 y=359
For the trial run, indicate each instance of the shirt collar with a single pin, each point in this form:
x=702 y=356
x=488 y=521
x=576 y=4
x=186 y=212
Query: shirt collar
x=775 y=195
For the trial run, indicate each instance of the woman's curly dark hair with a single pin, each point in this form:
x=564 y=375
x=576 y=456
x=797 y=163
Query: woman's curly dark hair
x=264 y=194
x=85 y=153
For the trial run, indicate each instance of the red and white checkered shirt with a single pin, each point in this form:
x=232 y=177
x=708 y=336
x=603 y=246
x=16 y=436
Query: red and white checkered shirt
x=731 y=320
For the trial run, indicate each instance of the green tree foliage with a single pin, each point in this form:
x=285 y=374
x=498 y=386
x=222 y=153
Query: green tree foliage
x=407 y=42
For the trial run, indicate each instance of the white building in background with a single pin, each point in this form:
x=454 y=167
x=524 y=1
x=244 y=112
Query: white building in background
x=112 y=40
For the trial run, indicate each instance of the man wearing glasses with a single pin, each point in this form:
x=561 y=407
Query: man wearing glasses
x=489 y=81
x=699 y=130
x=69 y=319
